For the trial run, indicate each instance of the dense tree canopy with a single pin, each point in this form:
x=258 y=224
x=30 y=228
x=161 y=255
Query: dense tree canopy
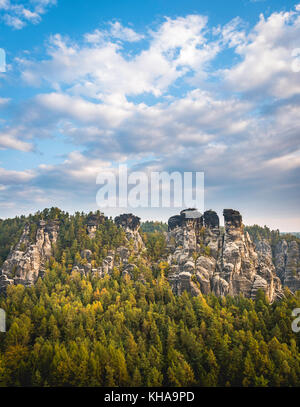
x=150 y=226
x=71 y=330
x=75 y=330
x=257 y=232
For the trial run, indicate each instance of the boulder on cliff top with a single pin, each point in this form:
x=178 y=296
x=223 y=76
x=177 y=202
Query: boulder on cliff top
x=128 y=220
x=233 y=217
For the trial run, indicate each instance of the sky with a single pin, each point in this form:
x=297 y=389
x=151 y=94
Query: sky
x=159 y=85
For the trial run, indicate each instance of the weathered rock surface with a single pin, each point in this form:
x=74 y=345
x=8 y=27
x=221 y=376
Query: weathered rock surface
x=227 y=264
x=25 y=262
x=211 y=234
x=267 y=271
x=118 y=258
x=287 y=263
x=201 y=258
x=131 y=225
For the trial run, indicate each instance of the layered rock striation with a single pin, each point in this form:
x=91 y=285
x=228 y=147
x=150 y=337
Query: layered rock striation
x=131 y=225
x=202 y=259
x=287 y=263
x=25 y=262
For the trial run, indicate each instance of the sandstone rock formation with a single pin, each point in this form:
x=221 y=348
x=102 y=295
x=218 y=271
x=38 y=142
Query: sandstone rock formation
x=92 y=225
x=203 y=259
x=131 y=225
x=287 y=263
x=182 y=241
x=25 y=263
x=84 y=266
x=118 y=258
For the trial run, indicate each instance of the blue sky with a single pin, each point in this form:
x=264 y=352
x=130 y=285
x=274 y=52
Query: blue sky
x=162 y=85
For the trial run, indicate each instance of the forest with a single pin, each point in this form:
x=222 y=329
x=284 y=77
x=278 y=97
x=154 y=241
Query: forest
x=78 y=330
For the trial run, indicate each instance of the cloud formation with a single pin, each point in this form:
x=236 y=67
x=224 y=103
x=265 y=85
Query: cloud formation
x=166 y=106
x=267 y=58
x=18 y=15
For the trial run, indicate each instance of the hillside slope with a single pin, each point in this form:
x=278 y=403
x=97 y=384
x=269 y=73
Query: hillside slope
x=91 y=303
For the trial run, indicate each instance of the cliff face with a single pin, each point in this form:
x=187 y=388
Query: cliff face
x=287 y=263
x=131 y=225
x=115 y=258
x=25 y=263
x=203 y=260
x=183 y=240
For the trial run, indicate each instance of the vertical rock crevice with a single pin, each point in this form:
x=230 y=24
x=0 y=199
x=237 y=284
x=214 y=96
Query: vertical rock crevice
x=226 y=264
x=25 y=263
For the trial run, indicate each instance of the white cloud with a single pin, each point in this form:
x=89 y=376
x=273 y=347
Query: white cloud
x=95 y=37
x=4 y=4
x=14 y=21
x=176 y=48
x=15 y=177
x=4 y=101
x=120 y=128
x=285 y=162
x=10 y=139
x=266 y=66
x=180 y=32
x=116 y=30
x=124 y=33
x=93 y=109
x=98 y=102
x=233 y=33
x=19 y=15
